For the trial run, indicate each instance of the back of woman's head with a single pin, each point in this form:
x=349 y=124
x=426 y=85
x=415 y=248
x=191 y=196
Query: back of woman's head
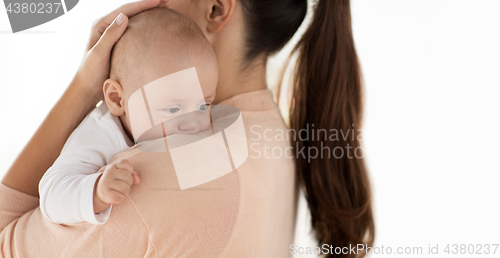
x=270 y=24
x=327 y=94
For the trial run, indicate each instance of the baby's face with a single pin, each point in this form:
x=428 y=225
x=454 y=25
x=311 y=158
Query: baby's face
x=174 y=104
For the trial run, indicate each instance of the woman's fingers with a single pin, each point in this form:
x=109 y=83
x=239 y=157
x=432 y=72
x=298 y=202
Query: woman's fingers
x=166 y=3
x=129 y=9
x=111 y=35
x=105 y=33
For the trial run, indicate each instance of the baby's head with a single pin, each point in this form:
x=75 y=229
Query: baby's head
x=163 y=74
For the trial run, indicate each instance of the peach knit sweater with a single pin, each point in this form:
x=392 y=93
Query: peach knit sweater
x=249 y=212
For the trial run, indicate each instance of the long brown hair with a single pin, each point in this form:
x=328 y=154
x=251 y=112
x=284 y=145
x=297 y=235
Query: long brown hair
x=327 y=94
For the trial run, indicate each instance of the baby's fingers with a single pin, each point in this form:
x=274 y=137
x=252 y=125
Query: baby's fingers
x=135 y=175
x=120 y=187
x=126 y=176
x=125 y=165
x=111 y=196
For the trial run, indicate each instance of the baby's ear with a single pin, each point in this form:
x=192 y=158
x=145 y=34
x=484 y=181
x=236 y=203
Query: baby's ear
x=114 y=97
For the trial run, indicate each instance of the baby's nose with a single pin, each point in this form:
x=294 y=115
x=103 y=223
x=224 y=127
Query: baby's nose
x=189 y=126
x=192 y=122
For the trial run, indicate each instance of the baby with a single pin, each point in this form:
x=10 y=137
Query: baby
x=162 y=81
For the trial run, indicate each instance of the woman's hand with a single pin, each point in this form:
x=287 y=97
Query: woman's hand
x=94 y=69
x=79 y=98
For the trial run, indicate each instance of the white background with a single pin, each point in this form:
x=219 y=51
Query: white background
x=432 y=125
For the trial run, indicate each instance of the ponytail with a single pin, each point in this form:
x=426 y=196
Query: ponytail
x=327 y=93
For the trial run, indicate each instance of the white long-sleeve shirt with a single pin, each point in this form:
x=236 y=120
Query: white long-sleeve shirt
x=67 y=188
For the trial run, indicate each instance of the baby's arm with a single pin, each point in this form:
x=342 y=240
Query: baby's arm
x=114 y=184
x=67 y=188
x=66 y=193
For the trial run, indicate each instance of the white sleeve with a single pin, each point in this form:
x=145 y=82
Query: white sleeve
x=67 y=188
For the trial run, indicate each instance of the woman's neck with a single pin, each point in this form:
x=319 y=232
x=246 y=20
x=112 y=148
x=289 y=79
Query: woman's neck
x=235 y=79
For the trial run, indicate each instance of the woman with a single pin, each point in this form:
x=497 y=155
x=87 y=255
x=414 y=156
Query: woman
x=326 y=94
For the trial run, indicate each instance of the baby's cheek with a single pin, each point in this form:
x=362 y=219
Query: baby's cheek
x=170 y=127
x=204 y=123
x=204 y=126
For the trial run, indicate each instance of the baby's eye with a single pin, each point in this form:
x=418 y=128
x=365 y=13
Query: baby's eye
x=203 y=106
x=172 y=110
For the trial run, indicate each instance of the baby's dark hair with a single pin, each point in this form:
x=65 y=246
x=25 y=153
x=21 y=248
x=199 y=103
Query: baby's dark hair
x=158 y=35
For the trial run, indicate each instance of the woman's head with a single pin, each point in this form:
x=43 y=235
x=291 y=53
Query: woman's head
x=254 y=27
x=327 y=94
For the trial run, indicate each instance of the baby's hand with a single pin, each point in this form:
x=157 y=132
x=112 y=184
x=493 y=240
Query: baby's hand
x=114 y=184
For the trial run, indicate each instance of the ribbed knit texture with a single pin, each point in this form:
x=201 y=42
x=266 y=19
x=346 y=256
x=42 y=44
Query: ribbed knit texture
x=13 y=204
